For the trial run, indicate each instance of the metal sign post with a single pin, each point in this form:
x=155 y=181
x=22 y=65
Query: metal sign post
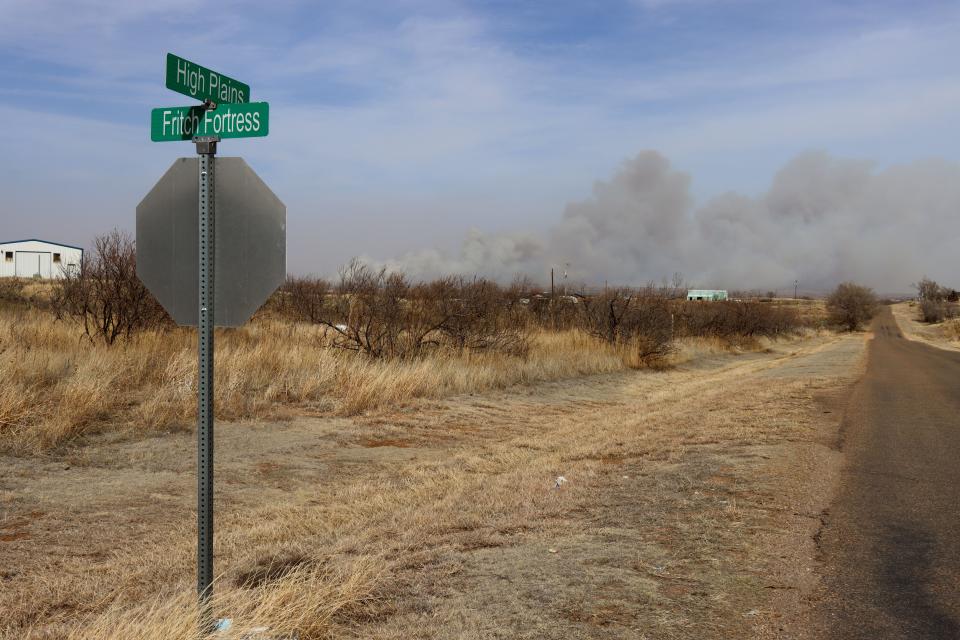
x=171 y=261
x=206 y=149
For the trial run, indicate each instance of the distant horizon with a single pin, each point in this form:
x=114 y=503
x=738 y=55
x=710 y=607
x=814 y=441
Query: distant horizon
x=577 y=287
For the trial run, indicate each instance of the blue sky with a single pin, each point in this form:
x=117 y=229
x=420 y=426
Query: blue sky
x=401 y=126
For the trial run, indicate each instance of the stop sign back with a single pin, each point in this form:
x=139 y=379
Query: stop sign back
x=250 y=238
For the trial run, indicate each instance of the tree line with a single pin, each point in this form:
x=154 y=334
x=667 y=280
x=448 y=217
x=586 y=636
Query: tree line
x=385 y=314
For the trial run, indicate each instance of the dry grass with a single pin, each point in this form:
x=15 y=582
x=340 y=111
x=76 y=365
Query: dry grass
x=300 y=601
x=812 y=312
x=945 y=335
x=659 y=527
x=60 y=385
x=951 y=330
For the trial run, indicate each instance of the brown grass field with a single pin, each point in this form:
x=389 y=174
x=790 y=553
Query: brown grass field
x=363 y=499
x=61 y=386
x=945 y=335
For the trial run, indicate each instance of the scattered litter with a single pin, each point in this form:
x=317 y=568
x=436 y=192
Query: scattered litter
x=626 y=477
x=560 y=481
x=340 y=327
x=552 y=550
x=223 y=624
x=752 y=612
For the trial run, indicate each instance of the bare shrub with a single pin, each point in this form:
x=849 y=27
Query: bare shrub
x=640 y=320
x=383 y=315
x=516 y=300
x=674 y=288
x=475 y=314
x=604 y=315
x=852 y=305
x=105 y=293
x=304 y=298
x=567 y=311
x=373 y=311
x=11 y=291
x=26 y=293
x=934 y=311
x=928 y=289
x=730 y=320
x=558 y=313
x=361 y=314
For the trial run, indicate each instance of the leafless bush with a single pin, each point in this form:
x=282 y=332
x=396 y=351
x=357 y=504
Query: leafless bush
x=384 y=315
x=475 y=314
x=851 y=305
x=304 y=298
x=561 y=312
x=729 y=320
x=368 y=312
x=604 y=315
x=934 y=311
x=928 y=289
x=11 y=291
x=640 y=319
x=674 y=288
x=105 y=293
x=25 y=293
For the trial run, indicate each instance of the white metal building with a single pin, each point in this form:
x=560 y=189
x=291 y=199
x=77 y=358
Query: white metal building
x=37 y=259
x=707 y=294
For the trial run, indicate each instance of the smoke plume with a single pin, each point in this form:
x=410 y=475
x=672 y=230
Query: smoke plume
x=822 y=221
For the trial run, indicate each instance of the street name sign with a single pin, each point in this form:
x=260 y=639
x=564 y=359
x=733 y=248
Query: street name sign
x=250 y=237
x=251 y=120
x=190 y=79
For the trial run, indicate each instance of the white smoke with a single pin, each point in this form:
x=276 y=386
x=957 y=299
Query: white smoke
x=823 y=220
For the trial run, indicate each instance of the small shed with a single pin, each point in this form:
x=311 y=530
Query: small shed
x=712 y=295
x=38 y=259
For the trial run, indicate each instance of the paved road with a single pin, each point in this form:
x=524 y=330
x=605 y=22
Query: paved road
x=891 y=544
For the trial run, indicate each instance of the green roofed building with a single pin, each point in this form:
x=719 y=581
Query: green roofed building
x=707 y=294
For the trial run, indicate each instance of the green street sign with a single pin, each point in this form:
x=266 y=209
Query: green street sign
x=249 y=120
x=201 y=83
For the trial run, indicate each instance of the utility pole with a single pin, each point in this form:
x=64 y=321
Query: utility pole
x=795 y=283
x=553 y=308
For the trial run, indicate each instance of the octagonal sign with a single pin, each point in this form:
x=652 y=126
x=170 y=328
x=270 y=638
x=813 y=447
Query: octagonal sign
x=250 y=235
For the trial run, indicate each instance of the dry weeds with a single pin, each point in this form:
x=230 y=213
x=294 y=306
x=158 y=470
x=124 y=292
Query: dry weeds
x=61 y=386
x=658 y=532
x=945 y=335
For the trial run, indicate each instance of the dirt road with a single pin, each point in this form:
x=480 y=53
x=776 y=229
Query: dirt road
x=891 y=544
